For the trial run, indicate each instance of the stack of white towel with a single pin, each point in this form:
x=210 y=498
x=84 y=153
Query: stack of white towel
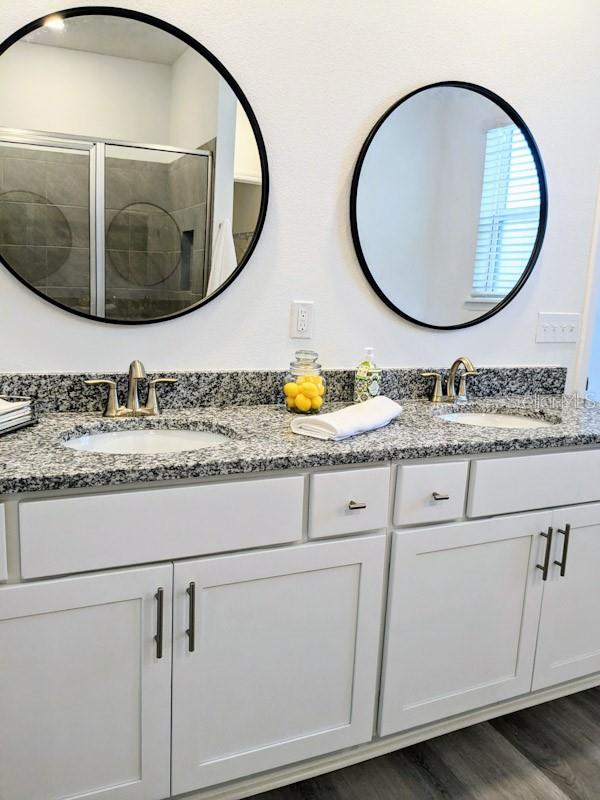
x=14 y=413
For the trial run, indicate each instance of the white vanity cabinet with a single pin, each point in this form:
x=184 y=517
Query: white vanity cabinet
x=3 y=557
x=85 y=701
x=280 y=659
x=569 y=635
x=463 y=610
x=274 y=591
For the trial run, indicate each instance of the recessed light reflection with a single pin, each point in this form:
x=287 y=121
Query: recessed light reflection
x=56 y=23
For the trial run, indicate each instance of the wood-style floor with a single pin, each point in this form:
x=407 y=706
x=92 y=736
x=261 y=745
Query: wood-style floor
x=549 y=752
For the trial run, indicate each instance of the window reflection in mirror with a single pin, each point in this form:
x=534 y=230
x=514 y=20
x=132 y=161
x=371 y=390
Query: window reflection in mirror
x=132 y=177
x=447 y=206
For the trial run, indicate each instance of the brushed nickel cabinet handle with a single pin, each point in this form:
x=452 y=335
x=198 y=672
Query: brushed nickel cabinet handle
x=563 y=562
x=160 y=610
x=354 y=506
x=546 y=565
x=440 y=496
x=191 y=631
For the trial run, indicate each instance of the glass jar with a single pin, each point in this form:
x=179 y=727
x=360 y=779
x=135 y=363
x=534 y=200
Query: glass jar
x=304 y=385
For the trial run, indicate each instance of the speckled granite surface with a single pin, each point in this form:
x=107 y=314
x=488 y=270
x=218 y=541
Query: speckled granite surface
x=34 y=459
x=67 y=392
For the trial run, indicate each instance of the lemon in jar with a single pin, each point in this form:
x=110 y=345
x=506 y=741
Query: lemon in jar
x=290 y=389
x=303 y=403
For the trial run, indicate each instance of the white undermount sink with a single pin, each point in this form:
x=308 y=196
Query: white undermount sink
x=490 y=420
x=168 y=440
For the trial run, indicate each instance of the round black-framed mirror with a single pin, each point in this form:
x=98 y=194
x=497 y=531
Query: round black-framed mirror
x=448 y=205
x=135 y=114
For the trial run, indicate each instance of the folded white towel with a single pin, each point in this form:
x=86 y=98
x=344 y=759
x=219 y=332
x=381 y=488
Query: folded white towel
x=10 y=420
x=337 y=425
x=9 y=406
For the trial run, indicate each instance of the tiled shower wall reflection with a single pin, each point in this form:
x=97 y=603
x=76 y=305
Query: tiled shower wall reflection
x=155 y=234
x=155 y=227
x=44 y=220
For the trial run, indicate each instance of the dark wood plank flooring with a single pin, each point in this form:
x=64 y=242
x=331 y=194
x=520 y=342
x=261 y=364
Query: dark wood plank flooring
x=549 y=752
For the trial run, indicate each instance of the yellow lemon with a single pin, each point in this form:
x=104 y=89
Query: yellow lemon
x=290 y=402
x=290 y=389
x=316 y=403
x=321 y=390
x=302 y=402
x=308 y=389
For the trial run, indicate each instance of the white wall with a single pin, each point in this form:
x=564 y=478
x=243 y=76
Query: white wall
x=191 y=123
x=130 y=99
x=316 y=94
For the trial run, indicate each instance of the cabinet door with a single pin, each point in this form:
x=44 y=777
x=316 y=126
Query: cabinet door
x=284 y=665
x=463 y=612
x=569 y=637
x=84 y=700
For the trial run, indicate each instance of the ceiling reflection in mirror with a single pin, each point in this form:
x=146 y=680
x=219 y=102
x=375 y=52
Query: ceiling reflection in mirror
x=133 y=172
x=448 y=205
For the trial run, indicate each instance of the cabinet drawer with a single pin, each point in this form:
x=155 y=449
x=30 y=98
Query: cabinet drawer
x=83 y=533
x=332 y=495
x=520 y=483
x=3 y=558
x=417 y=486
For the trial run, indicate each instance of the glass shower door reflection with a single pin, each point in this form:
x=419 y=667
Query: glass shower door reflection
x=155 y=221
x=45 y=218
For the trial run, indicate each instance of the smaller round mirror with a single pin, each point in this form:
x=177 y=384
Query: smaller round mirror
x=448 y=205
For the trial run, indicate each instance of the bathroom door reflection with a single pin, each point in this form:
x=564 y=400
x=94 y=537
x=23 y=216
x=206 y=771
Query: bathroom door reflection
x=45 y=218
x=157 y=217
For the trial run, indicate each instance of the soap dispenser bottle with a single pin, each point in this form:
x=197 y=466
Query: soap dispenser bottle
x=367 y=377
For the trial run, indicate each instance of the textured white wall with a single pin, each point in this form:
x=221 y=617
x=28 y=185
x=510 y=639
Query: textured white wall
x=318 y=76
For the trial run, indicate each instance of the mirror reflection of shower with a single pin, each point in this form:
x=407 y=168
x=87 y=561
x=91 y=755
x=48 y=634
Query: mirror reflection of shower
x=93 y=216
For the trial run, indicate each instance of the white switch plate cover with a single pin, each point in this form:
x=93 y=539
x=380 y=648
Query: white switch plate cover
x=302 y=319
x=557 y=327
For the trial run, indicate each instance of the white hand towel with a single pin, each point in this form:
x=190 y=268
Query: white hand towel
x=10 y=420
x=10 y=406
x=358 y=418
x=224 y=259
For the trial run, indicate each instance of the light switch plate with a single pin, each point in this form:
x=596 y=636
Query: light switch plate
x=557 y=327
x=302 y=319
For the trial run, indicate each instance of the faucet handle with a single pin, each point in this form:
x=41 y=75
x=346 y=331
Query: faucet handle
x=152 y=407
x=462 y=383
x=436 y=397
x=112 y=401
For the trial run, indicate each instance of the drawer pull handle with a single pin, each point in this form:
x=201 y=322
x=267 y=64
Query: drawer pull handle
x=160 y=607
x=546 y=565
x=440 y=496
x=191 y=631
x=563 y=562
x=354 y=506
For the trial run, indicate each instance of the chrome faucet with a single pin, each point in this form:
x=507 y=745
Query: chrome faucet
x=137 y=372
x=451 y=394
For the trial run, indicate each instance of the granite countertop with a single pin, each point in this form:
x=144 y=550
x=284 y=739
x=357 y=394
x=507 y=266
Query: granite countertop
x=34 y=459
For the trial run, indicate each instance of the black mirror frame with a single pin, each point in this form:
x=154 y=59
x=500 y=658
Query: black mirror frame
x=517 y=119
x=80 y=11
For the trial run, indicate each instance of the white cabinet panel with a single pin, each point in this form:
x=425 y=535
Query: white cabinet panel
x=519 y=483
x=348 y=501
x=463 y=611
x=74 y=534
x=285 y=659
x=84 y=700
x=3 y=558
x=420 y=484
x=569 y=636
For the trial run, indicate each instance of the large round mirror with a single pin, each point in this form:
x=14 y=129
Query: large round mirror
x=448 y=205
x=133 y=172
